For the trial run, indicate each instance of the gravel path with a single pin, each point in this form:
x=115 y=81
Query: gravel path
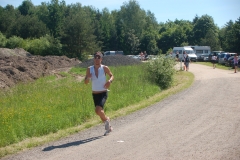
x=200 y=123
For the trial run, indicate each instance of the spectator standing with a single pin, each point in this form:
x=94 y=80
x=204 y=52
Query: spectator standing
x=184 y=57
x=214 y=59
x=227 y=56
x=186 y=62
x=141 y=56
x=235 y=63
x=177 y=56
x=145 y=55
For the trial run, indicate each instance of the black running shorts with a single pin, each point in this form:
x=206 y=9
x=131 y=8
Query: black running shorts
x=100 y=98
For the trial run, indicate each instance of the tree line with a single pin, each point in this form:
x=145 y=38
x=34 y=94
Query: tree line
x=54 y=28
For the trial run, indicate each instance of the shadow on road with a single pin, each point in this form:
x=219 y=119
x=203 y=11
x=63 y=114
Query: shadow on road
x=72 y=143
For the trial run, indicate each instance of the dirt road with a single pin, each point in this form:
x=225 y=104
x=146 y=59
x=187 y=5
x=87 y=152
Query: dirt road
x=200 y=123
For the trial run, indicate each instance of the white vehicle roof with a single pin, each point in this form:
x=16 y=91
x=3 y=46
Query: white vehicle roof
x=186 y=48
x=199 y=47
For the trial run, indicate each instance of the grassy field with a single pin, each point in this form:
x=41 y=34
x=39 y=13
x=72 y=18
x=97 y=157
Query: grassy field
x=51 y=108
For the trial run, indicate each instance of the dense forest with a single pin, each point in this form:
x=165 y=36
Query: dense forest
x=55 y=28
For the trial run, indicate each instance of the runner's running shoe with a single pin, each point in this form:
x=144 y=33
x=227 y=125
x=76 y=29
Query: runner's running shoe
x=107 y=124
x=108 y=131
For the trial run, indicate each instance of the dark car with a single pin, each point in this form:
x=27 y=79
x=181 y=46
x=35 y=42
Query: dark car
x=229 y=62
x=203 y=57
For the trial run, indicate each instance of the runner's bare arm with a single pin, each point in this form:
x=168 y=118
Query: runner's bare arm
x=108 y=72
x=88 y=76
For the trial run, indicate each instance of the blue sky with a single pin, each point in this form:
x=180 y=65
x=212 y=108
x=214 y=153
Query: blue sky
x=222 y=11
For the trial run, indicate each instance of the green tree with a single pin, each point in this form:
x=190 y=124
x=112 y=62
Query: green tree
x=150 y=35
x=211 y=39
x=28 y=27
x=130 y=17
x=42 y=13
x=26 y=7
x=237 y=35
x=230 y=36
x=95 y=16
x=109 y=31
x=131 y=42
x=202 y=26
x=8 y=17
x=56 y=16
x=79 y=38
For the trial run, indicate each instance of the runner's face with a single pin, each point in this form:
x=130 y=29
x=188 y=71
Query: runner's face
x=97 y=59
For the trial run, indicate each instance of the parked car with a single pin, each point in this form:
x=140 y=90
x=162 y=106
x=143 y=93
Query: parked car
x=152 y=57
x=137 y=57
x=203 y=57
x=112 y=53
x=223 y=58
x=229 y=62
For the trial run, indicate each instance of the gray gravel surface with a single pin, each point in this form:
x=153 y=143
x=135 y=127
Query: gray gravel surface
x=200 y=123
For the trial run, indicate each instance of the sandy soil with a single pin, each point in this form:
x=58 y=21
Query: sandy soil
x=200 y=123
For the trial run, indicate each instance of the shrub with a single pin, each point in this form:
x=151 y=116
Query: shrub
x=3 y=40
x=14 y=42
x=161 y=71
x=46 y=45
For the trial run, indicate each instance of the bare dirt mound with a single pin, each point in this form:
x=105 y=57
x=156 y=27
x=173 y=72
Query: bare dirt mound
x=17 y=65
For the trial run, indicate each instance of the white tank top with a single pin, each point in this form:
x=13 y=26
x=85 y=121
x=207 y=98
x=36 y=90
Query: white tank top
x=98 y=82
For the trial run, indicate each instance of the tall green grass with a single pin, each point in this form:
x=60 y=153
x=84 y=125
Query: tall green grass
x=51 y=104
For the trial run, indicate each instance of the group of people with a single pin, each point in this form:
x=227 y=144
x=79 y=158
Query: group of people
x=235 y=61
x=143 y=56
x=186 y=60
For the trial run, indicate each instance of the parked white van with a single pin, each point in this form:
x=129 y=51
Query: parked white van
x=189 y=51
x=199 y=50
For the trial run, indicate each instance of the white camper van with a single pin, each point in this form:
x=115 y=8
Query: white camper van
x=200 y=50
x=189 y=51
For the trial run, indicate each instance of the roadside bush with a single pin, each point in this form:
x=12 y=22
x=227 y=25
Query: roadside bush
x=14 y=42
x=46 y=45
x=38 y=46
x=3 y=40
x=161 y=71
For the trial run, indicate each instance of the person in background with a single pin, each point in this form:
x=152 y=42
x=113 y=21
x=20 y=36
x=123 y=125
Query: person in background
x=97 y=74
x=141 y=56
x=186 y=62
x=183 y=58
x=227 y=56
x=235 y=63
x=177 y=56
x=214 y=59
x=145 y=56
